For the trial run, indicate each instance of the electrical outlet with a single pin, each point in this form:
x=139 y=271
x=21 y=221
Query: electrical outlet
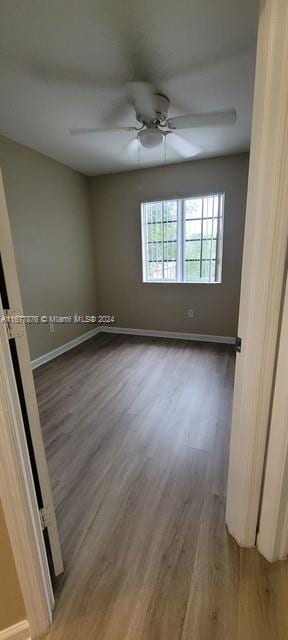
x=190 y=314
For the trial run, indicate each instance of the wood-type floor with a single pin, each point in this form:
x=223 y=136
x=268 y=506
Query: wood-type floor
x=136 y=432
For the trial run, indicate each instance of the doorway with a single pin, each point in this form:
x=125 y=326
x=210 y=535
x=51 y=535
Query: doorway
x=266 y=231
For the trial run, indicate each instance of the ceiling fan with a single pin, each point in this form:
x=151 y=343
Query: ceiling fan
x=151 y=109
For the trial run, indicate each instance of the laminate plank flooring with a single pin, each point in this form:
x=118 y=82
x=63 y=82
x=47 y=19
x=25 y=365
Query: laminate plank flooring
x=136 y=432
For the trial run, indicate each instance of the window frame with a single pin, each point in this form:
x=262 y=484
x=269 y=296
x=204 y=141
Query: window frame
x=180 y=258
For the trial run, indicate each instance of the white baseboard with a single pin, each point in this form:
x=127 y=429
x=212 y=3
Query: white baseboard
x=19 y=631
x=178 y=335
x=64 y=347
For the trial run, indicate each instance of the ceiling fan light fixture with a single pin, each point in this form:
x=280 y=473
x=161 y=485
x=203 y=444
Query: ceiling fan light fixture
x=151 y=137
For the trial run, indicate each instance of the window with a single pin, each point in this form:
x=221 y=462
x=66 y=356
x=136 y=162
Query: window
x=182 y=239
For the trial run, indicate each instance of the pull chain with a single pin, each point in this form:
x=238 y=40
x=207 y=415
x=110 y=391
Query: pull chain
x=138 y=153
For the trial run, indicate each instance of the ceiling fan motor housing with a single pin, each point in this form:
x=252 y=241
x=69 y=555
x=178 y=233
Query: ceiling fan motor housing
x=160 y=108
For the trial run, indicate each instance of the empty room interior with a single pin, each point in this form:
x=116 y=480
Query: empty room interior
x=124 y=153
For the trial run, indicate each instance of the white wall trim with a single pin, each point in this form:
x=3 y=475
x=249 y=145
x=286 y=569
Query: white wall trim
x=153 y=333
x=18 y=631
x=263 y=268
x=63 y=348
x=178 y=335
x=273 y=529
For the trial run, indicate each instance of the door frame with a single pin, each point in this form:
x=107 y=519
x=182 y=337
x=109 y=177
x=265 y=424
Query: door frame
x=263 y=271
x=19 y=501
x=272 y=539
x=27 y=382
x=17 y=489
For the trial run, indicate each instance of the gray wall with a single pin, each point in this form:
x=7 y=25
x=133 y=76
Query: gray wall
x=50 y=218
x=51 y=221
x=117 y=241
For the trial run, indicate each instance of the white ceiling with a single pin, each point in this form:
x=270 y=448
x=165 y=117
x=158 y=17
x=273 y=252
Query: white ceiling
x=65 y=64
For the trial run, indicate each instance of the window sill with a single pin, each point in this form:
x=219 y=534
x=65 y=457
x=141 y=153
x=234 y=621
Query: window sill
x=181 y=282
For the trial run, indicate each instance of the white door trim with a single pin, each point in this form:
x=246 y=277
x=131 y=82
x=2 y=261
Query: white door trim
x=19 y=500
x=272 y=540
x=265 y=244
x=23 y=355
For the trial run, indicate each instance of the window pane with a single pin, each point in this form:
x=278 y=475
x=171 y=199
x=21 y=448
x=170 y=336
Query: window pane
x=208 y=270
x=205 y=268
x=159 y=230
x=170 y=230
x=192 y=270
x=193 y=229
x=155 y=251
x=206 y=249
x=215 y=228
x=170 y=251
x=207 y=228
x=192 y=249
x=201 y=227
x=182 y=239
x=193 y=208
x=208 y=203
x=213 y=271
x=152 y=270
x=170 y=239
x=170 y=211
x=170 y=270
x=210 y=227
x=159 y=212
x=154 y=231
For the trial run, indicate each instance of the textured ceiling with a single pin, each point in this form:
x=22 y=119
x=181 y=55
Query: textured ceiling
x=66 y=63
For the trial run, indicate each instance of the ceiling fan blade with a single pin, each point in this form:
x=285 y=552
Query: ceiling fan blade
x=76 y=132
x=132 y=148
x=183 y=147
x=194 y=120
